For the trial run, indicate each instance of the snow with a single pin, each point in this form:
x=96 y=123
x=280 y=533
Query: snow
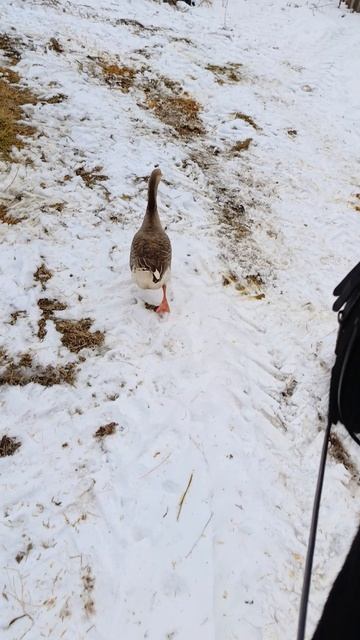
x=230 y=389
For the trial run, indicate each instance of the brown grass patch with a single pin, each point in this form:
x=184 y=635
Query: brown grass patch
x=228 y=73
x=56 y=99
x=248 y=119
x=12 y=100
x=55 y=45
x=24 y=372
x=42 y=275
x=15 y=315
x=6 y=217
x=251 y=287
x=119 y=76
x=76 y=334
x=88 y=581
x=179 y=112
x=9 y=46
x=241 y=145
x=47 y=307
x=92 y=177
x=106 y=430
x=8 y=446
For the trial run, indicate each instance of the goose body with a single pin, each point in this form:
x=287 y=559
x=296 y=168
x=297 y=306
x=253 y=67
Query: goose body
x=150 y=254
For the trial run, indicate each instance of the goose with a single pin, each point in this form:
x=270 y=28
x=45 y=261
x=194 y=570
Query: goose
x=150 y=254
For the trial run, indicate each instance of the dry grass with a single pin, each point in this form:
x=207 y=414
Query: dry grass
x=47 y=307
x=42 y=275
x=76 y=334
x=12 y=100
x=56 y=99
x=15 y=315
x=8 y=446
x=248 y=119
x=106 y=430
x=250 y=286
x=228 y=73
x=6 y=217
x=179 y=112
x=9 y=46
x=241 y=145
x=119 y=76
x=55 y=45
x=24 y=372
x=88 y=581
x=92 y=177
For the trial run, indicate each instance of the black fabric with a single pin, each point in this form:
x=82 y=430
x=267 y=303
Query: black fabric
x=340 y=619
x=344 y=403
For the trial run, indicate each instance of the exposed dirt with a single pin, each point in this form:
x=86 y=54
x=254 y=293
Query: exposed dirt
x=48 y=307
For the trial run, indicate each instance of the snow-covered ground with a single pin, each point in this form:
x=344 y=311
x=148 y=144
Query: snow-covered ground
x=224 y=400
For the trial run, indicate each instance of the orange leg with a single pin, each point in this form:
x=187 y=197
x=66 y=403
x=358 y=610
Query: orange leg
x=164 y=305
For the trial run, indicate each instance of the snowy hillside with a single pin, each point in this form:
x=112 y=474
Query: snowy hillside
x=164 y=480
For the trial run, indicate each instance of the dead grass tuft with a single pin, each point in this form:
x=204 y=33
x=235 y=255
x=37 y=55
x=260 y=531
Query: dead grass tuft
x=228 y=73
x=56 y=99
x=241 y=145
x=47 y=307
x=119 y=76
x=88 y=581
x=179 y=112
x=55 y=45
x=248 y=119
x=15 y=315
x=42 y=275
x=6 y=217
x=106 y=430
x=24 y=372
x=76 y=334
x=12 y=129
x=9 y=46
x=92 y=177
x=8 y=446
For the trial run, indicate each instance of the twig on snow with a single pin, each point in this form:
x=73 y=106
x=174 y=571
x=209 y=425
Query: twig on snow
x=184 y=496
x=201 y=535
